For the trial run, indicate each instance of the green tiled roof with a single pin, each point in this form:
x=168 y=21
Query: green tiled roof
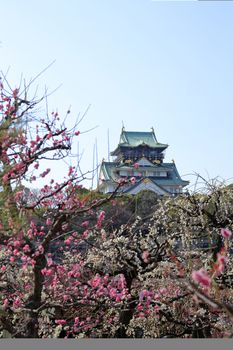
x=136 y=138
x=108 y=169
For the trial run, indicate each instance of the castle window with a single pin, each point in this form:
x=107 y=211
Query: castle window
x=123 y=173
x=159 y=173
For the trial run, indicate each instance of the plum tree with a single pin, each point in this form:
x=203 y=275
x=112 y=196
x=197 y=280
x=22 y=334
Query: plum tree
x=152 y=278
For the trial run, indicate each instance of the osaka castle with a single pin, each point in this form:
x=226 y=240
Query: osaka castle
x=139 y=157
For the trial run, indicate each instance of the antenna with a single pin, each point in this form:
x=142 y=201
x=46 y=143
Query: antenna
x=108 y=148
x=93 y=167
x=97 y=165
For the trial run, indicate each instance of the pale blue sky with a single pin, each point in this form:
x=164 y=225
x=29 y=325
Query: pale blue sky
x=148 y=63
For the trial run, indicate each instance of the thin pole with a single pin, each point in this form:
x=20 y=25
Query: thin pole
x=97 y=165
x=108 y=148
x=93 y=167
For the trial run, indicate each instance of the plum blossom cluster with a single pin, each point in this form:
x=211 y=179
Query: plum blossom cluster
x=19 y=151
x=7 y=102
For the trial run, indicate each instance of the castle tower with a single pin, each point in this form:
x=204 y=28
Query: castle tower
x=140 y=156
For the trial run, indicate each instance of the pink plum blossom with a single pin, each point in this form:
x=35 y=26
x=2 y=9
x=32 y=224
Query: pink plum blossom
x=226 y=233
x=101 y=217
x=49 y=221
x=145 y=256
x=133 y=180
x=201 y=277
x=60 y=322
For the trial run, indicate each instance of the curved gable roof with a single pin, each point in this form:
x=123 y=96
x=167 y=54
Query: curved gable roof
x=136 y=138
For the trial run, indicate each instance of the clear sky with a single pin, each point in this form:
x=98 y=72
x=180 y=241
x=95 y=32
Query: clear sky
x=166 y=64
